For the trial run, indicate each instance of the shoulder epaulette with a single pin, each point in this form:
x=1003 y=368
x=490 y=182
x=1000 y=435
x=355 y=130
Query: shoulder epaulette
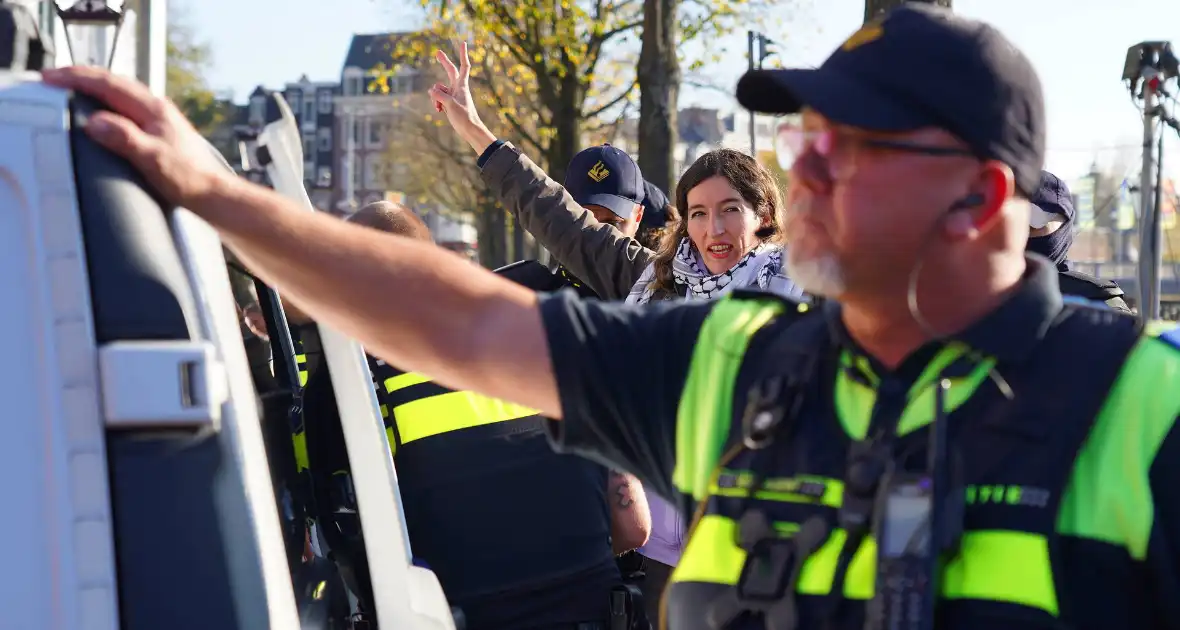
x=794 y=304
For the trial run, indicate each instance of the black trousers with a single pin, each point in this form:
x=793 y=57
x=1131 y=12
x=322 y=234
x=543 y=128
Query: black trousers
x=655 y=579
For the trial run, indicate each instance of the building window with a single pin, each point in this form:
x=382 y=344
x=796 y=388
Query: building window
x=257 y=110
x=308 y=145
x=325 y=101
x=376 y=133
x=352 y=170
x=325 y=139
x=308 y=171
x=374 y=172
x=324 y=177
x=353 y=82
x=309 y=108
x=350 y=128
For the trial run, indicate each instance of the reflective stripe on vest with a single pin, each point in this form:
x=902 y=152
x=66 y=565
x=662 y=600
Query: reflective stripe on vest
x=301 y=365
x=709 y=388
x=299 y=438
x=995 y=565
x=299 y=441
x=441 y=413
x=982 y=570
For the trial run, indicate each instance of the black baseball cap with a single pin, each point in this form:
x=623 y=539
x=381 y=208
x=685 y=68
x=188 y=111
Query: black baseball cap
x=1051 y=201
x=655 y=202
x=605 y=176
x=922 y=66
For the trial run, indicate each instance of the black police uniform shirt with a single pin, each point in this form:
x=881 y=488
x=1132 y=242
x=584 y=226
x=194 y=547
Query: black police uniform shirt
x=621 y=373
x=538 y=277
x=519 y=536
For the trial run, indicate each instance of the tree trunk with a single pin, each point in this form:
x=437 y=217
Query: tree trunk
x=493 y=234
x=659 y=88
x=518 y=253
x=874 y=8
x=567 y=136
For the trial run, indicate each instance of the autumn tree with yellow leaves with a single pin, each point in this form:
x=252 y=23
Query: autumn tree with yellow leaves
x=547 y=75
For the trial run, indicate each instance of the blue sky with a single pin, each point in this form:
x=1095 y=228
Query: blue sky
x=1078 y=47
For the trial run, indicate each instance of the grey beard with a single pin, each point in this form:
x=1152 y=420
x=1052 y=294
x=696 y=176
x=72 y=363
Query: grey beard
x=817 y=276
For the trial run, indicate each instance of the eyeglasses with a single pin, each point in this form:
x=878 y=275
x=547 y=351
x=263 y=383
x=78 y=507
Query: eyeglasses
x=838 y=149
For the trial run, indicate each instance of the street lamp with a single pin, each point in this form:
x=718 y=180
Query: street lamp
x=91 y=21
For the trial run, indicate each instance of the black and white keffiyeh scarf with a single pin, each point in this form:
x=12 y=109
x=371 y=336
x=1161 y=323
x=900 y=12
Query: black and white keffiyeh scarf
x=762 y=267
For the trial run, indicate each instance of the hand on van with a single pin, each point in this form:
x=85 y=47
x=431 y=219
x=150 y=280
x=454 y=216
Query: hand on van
x=149 y=131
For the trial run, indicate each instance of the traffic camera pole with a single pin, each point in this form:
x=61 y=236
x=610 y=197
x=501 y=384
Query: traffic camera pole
x=1149 y=65
x=1150 y=255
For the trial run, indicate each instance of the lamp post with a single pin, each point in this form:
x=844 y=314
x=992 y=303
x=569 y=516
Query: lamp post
x=91 y=21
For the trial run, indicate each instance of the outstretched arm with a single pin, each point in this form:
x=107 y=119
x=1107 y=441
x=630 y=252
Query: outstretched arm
x=621 y=370
x=604 y=258
x=410 y=303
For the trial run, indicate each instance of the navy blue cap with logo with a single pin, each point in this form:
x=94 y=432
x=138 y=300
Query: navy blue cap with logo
x=608 y=177
x=922 y=66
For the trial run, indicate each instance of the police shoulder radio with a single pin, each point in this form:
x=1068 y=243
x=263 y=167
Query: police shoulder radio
x=914 y=521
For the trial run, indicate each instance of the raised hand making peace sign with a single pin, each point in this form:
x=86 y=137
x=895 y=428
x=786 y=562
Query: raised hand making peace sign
x=454 y=99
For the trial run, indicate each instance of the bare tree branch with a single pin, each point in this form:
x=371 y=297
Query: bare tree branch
x=624 y=95
x=597 y=43
x=703 y=83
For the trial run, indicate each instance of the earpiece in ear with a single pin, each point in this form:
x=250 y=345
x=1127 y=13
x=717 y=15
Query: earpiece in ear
x=960 y=224
x=970 y=201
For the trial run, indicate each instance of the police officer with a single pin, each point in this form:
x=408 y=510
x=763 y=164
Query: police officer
x=657 y=212
x=832 y=456
x=602 y=180
x=519 y=536
x=1051 y=236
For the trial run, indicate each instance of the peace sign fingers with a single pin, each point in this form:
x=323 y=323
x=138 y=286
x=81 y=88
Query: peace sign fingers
x=448 y=66
x=464 y=62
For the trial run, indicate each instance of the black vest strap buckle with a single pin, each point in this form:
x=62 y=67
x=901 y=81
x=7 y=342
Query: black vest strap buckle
x=766 y=412
x=868 y=462
x=766 y=585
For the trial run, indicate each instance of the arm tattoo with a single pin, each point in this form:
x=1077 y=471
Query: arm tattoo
x=621 y=486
